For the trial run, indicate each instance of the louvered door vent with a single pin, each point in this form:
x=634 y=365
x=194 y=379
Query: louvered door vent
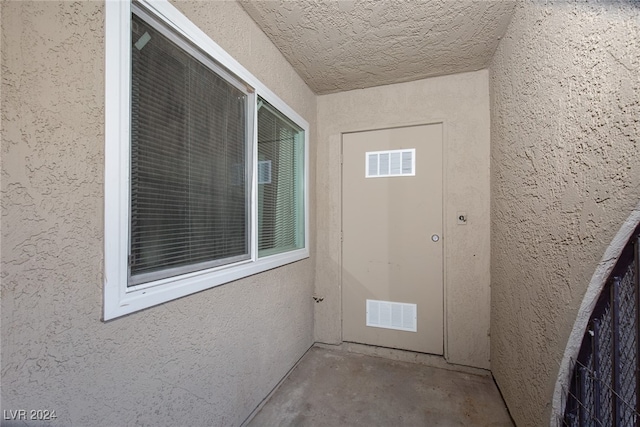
x=392 y=315
x=390 y=163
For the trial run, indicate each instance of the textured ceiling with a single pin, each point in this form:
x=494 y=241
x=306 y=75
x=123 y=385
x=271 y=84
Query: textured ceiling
x=344 y=45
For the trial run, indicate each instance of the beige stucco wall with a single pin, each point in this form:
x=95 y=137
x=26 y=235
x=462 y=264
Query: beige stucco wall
x=565 y=102
x=206 y=359
x=462 y=103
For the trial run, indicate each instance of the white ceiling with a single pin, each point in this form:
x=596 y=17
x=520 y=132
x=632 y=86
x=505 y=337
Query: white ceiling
x=342 y=45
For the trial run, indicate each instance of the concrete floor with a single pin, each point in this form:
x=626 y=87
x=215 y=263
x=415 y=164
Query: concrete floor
x=339 y=388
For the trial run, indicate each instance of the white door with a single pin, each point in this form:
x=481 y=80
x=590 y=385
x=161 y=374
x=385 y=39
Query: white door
x=392 y=253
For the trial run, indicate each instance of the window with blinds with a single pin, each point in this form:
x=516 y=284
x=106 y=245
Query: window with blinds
x=281 y=197
x=205 y=167
x=189 y=160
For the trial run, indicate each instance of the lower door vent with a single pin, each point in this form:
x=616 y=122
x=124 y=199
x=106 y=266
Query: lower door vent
x=392 y=315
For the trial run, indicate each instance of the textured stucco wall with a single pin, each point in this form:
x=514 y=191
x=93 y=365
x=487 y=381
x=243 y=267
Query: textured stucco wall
x=206 y=359
x=462 y=102
x=565 y=108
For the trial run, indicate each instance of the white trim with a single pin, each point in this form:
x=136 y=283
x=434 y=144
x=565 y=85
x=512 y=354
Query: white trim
x=169 y=289
x=598 y=280
x=116 y=205
x=118 y=299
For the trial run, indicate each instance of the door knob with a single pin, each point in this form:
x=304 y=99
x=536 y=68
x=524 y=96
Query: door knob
x=435 y=238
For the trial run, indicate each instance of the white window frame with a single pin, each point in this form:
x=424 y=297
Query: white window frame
x=119 y=299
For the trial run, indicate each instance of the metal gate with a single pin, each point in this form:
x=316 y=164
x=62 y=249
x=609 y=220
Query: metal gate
x=605 y=388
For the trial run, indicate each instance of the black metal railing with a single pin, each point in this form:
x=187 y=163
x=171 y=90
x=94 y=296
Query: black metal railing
x=605 y=384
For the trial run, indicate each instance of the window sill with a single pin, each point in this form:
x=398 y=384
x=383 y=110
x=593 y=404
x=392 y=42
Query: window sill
x=161 y=291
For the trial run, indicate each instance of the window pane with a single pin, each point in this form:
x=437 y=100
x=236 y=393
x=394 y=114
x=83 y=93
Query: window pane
x=189 y=198
x=281 y=199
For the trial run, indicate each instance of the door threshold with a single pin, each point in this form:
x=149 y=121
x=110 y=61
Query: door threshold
x=432 y=360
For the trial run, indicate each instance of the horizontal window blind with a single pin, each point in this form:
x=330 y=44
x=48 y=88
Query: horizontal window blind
x=280 y=199
x=189 y=193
